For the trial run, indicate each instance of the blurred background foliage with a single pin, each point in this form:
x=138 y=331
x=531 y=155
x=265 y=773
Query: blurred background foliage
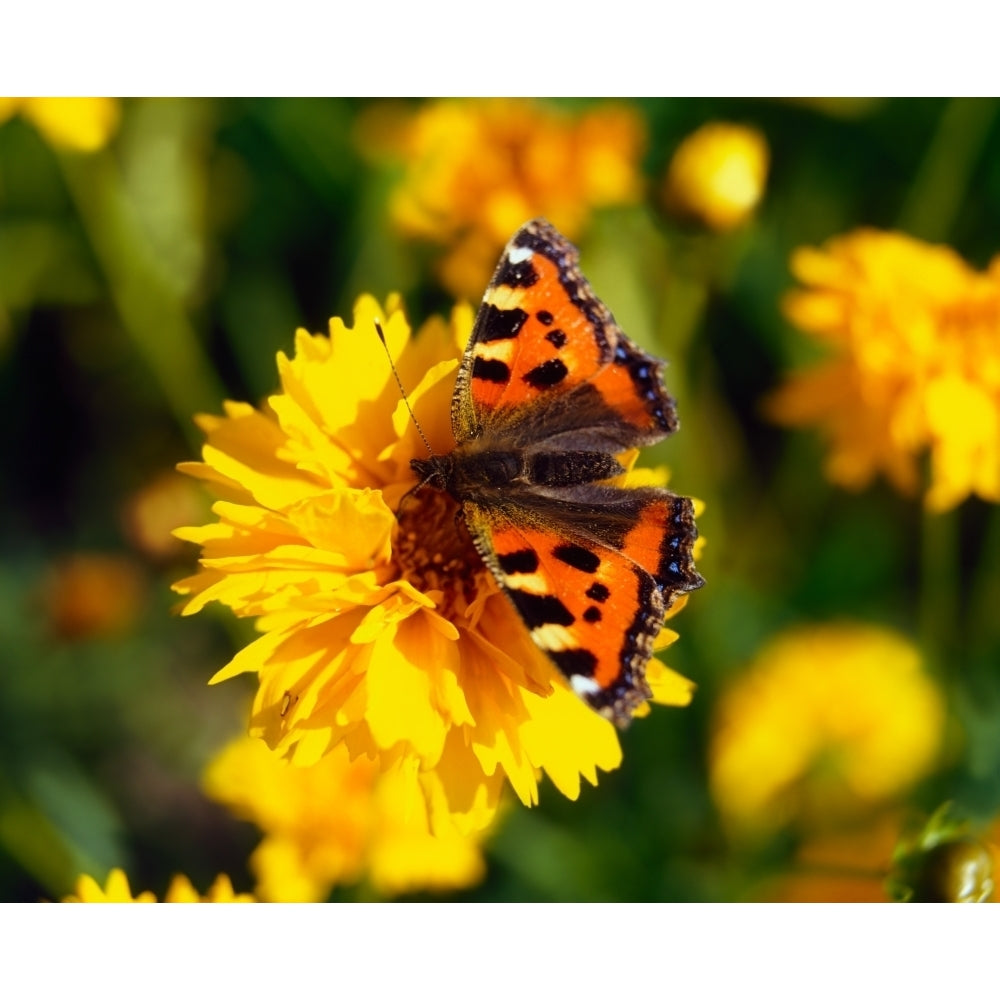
x=154 y=258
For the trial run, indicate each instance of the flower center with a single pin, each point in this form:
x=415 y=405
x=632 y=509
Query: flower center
x=434 y=551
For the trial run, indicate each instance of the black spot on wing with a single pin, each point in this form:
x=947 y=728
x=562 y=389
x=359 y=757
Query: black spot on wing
x=523 y=561
x=575 y=662
x=619 y=699
x=557 y=338
x=598 y=592
x=544 y=317
x=578 y=557
x=500 y=324
x=541 y=609
x=547 y=374
x=490 y=370
x=539 y=236
x=519 y=275
x=592 y=614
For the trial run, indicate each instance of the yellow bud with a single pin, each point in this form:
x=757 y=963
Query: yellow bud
x=960 y=871
x=717 y=175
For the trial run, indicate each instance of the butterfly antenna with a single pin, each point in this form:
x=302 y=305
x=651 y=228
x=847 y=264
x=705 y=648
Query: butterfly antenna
x=402 y=391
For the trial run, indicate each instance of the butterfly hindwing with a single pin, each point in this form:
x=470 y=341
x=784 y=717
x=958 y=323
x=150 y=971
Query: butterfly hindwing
x=591 y=609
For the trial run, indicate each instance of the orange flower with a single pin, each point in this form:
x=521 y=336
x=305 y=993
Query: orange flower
x=846 y=866
x=476 y=169
x=915 y=334
x=90 y=595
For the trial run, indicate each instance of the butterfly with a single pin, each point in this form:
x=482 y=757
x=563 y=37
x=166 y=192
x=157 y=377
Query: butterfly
x=549 y=392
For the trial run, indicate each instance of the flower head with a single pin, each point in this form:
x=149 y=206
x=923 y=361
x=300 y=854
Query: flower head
x=91 y=595
x=717 y=174
x=841 y=866
x=915 y=334
x=475 y=170
x=330 y=823
x=826 y=722
x=150 y=514
x=116 y=890
x=82 y=124
x=382 y=628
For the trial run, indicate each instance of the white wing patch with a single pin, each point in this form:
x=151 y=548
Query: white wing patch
x=584 y=685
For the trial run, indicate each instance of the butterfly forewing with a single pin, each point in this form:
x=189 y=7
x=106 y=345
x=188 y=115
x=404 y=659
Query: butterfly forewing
x=541 y=333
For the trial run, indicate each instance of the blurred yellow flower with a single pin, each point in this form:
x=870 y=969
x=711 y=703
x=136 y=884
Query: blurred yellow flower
x=826 y=722
x=116 y=890
x=151 y=514
x=83 y=124
x=477 y=169
x=388 y=636
x=330 y=823
x=717 y=175
x=916 y=337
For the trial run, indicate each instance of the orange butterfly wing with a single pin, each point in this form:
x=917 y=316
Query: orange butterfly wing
x=542 y=334
x=594 y=601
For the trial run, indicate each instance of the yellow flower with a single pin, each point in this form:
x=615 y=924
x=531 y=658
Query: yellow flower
x=475 y=170
x=390 y=637
x=717 y=174
x=117 y=890
x=328 y=824
x=916 y=337
x=83 y=124
x=827 y=722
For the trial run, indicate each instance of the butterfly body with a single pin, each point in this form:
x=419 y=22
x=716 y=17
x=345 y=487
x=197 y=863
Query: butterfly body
x=549 y=392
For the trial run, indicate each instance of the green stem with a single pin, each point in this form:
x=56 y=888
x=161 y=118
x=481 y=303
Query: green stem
x=984 y=589
x=942 y=180
x=150 y=310
x=29 y=837
x=939 y=580
x=933 y=202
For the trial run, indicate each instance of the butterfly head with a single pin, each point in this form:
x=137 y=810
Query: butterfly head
x=437 y=471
